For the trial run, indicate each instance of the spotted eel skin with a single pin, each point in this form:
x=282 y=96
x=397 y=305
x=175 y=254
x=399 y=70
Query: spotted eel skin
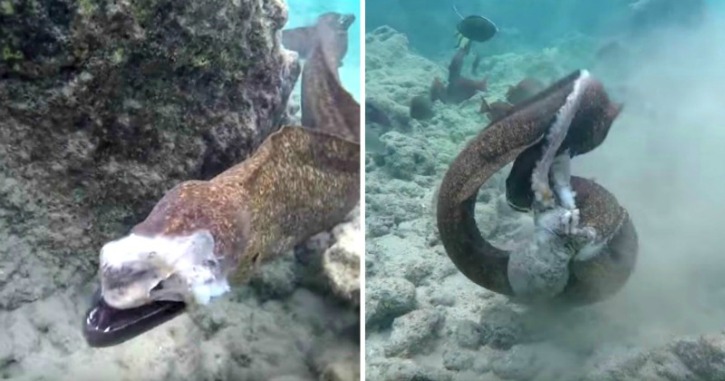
x=520 y=136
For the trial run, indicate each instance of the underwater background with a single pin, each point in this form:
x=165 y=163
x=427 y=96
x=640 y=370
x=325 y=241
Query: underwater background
x=104 y=106
x=664 y=60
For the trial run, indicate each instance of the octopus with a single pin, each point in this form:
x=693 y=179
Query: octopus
x=202 y=237
x=584 y=246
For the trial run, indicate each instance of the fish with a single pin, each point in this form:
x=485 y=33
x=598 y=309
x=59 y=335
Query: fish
x=203 y=237
x=474 y=28
x=302 y=39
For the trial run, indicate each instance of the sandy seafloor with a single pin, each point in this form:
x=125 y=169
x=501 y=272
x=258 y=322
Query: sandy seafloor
x=284 y=326
x=426 y=321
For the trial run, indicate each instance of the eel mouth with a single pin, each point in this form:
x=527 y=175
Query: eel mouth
x=346 y=20
x=105 y=326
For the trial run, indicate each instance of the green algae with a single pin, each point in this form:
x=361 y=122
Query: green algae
x=118 y=56
x=10 y=55
x=86 y=7
x=7 y=8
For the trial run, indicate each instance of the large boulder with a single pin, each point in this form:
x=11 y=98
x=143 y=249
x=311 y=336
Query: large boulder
x=105 y=105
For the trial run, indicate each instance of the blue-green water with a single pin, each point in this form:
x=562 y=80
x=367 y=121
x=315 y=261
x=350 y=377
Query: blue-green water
x=305 y=12
x=430 y=24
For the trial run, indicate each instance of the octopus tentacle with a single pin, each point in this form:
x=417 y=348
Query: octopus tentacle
x=561 y=179
x=554 y=139
x=602 y=265
x=540 y=269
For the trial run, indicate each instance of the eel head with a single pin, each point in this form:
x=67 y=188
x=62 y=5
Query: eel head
x=303 y=39
x=337 y=21
x=150 y=276
x=589 y=128
x=593 y=120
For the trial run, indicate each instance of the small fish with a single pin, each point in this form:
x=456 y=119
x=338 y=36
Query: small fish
x=474 y=28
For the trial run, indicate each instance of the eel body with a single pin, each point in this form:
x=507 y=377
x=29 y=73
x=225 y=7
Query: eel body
x=299 y=182
x=303 y=39
x=204 y=236
x=519 y=136
x=337 y=112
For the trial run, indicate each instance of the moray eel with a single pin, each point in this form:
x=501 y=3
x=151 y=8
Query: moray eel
x=301 y=39
x=580 y=226
x=203 y=237
x=336 y=112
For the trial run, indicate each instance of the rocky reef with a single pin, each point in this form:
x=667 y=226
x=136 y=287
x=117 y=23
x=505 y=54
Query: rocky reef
x=104 y=106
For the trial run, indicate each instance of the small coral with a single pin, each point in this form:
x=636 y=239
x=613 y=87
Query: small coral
x=437 y=90
x=341 y=262
x=421 y=107
x=496 y=109
x=459 y=88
